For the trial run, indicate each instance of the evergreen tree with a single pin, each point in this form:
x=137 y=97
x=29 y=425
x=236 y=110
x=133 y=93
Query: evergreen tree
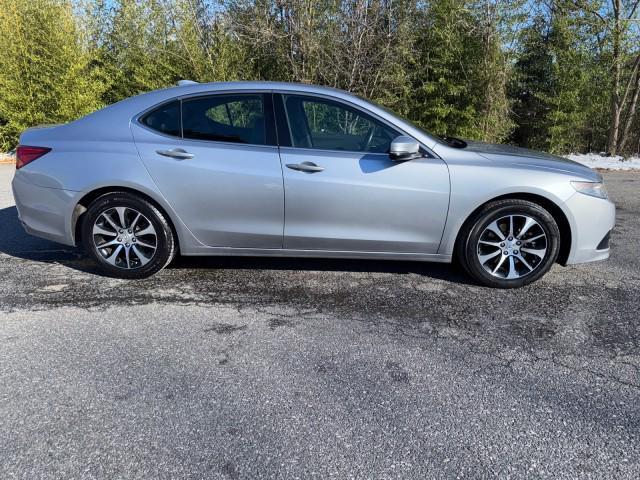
x=204 y=42
x=442 y=102
x=462 y=70
x=139 y=49
x=491 y=67
x=46 y=73
x=570 y=76
x=562 y=77
x=531 y=86
x=560 y=84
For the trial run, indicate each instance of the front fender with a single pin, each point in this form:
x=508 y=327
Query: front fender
x=474 y=184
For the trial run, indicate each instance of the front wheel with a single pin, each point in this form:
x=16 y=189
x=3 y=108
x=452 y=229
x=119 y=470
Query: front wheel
x=127 y=236
x=509 y=243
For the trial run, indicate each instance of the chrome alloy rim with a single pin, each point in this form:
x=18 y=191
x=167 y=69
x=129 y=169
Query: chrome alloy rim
x=512 y=247
x=124 y=237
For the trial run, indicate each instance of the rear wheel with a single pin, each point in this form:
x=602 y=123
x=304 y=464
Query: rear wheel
x=127 y=236
x=509 y=243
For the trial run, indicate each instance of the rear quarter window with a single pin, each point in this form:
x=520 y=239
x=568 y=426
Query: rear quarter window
x=164 y=119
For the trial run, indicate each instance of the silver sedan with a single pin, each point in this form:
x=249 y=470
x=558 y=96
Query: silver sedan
x=258 y=168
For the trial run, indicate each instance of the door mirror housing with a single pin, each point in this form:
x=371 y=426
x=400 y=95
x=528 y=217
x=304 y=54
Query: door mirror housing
x=404 y=148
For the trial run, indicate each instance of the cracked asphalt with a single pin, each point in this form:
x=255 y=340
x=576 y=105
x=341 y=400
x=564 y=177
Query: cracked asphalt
x=276 y=368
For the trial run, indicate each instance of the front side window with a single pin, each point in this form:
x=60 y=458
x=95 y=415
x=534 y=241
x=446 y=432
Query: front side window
x=327 y=125
x=164 y=119
x=225 y=118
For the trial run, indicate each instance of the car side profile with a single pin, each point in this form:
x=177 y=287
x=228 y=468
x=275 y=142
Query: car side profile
x=279 y=169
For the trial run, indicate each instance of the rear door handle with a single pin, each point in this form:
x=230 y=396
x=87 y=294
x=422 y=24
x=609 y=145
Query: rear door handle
x=305 y=167
x=177 y=153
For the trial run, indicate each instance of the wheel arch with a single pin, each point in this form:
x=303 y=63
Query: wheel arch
x=553 y=208
x=87 y=199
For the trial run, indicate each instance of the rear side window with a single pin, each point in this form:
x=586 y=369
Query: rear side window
x=164 y=119
x=225 y=118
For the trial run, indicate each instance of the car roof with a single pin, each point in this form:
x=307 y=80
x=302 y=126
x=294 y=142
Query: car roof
x=259 y=85
x=195 y=88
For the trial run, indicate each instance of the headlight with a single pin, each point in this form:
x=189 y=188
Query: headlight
x=594 y=189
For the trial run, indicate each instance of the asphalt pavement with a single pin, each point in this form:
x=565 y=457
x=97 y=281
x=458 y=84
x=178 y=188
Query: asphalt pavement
x=287 y=368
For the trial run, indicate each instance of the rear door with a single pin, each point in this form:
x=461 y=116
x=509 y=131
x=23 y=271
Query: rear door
x=342 y=191
x=218 y=167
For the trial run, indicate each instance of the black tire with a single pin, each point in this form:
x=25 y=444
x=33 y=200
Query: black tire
x=165 y=243
x=468 y=247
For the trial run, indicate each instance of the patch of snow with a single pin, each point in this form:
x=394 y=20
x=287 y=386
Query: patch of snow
x=595 y=160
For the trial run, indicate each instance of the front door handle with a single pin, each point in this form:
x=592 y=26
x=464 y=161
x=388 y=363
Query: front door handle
x=177 y=153
x=305 y=167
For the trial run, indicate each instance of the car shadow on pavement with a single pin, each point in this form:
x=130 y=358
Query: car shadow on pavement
x=15 y=242
x=439 y=271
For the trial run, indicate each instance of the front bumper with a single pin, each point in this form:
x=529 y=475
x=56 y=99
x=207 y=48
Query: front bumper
x=44 y=212
x=592 y=220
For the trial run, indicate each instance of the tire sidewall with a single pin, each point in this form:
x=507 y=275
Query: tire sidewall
x=165 y=242
x=544 y=219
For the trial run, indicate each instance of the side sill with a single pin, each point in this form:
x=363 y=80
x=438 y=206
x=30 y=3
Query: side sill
x=257 y=252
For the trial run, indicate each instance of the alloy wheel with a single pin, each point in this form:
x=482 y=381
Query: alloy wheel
x=124 y=237
x=512 y=247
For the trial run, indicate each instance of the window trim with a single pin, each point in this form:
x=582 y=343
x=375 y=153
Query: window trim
x=271 y=139
x=279 y=94
x=282 y=126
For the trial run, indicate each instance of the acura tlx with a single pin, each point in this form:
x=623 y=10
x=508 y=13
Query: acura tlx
x=260 y=169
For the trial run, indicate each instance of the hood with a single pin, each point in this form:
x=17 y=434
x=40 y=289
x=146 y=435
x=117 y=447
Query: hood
x=531 y=158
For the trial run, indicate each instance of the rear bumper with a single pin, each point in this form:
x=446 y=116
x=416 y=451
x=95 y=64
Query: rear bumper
x=44 y=212
x=591 y=223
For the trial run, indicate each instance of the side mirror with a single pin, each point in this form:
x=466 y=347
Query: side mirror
x=404 y=148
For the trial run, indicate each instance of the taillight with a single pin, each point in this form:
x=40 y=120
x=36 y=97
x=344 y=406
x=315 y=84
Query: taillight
x=25 y=154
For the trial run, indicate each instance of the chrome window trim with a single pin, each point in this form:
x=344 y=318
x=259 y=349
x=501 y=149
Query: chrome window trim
x=231 y=144
x=326 y=150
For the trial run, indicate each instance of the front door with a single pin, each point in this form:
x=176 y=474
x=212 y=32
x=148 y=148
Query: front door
x=342 y=191
x=220 y=169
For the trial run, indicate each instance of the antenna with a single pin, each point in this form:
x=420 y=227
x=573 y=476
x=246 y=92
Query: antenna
x=184 y=83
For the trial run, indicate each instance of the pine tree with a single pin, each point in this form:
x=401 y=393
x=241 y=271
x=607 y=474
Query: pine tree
x=442 y=102
x=560 y=84
x=491 y=68
x=531 y=86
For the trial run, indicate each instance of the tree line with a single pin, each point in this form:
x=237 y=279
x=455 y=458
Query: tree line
x=555 y=75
